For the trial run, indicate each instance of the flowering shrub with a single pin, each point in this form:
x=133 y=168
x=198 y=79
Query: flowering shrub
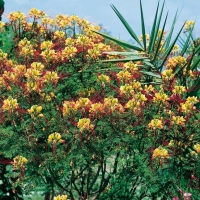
x=75 y=125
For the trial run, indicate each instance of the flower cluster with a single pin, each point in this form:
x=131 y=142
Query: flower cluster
x=155 y=124
x=189 y=25
x=160 y=97
x=197 y=148
x=10 y=104
x=188 y=106
x=19 y=161
x=167 y=74
x=174 y=61
x=160 y=152
x=179 y=89
x=178 y=120
x=35 y=111
x=16 y=16
x=84 y=124
x=61 y=197
x=54 y=138
x=36 y=13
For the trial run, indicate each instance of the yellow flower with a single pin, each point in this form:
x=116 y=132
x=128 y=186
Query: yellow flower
x=192 y=74
x=160 y=153
x=54 y=137
x=159 y=33
x=127 y=89
x=47 y=20
x=197 y=148
x=147 y=37
x=2 y=82
x=136 y=85
x=9 y=76
x=136 y=103
x=3 y=55
x=192 y=100
x=93 y=53
x=124 y=76
x=167 y=74
x=110 y=102
x=14 y=16
x=48 y=54
x=160 y=97
x=171 y=143
x=175 y=49
x=103 y=78
x=32 y=73
x=140 y=97
x=83 y=40
x=61 y=197
x=19 y=161
x=69 y=42
x=32 y=85
x=68 y=108
x=155 y=123
x=86 y=92
x=148 y=89
x=36 y=13
x=178 y=120
x=59 y=34
x=35 y=111
x=1 y=25
x=10 y=104
x=62 y=21
x=102 y=47
x=133 y=105
x=27 y=51
x=69 y=52
x=131 y=66
x=83 y=103
x=37 y=65
x=179 y=89
x=96 y=108
x=189 y=25
x=188 y=106
x=46 y=45
x=74 y=18
x=20 y=69
x=24 y=43
x=174 y=61
x=84 y=124
x=51 y=77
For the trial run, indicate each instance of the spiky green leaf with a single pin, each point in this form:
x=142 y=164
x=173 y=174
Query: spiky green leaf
x=120 y=42
x=195 y=64
x=127 y=26
x=156 y=29
x=127 y=59
x=143 y=26
x=160 y=39
x=168 y=51
x=187 y=42
x=168 y=39
x=151 y=74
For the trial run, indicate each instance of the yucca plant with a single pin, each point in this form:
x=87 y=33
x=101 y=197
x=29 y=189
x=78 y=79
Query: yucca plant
x=191 y=47
x=155 y=49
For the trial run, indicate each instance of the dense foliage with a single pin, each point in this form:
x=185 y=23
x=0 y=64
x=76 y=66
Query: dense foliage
x=82 y=120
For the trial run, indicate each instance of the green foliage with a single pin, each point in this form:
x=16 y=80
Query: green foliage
x=93 y=126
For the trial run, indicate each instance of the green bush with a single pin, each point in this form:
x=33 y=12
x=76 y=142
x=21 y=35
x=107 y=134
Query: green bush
x=83 y=117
